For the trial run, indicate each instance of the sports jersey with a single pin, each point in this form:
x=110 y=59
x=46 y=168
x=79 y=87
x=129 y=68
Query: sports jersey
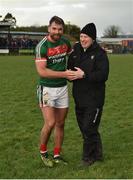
x=55 y=56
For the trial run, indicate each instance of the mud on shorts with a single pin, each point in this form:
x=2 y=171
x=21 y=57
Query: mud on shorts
x=52 y=96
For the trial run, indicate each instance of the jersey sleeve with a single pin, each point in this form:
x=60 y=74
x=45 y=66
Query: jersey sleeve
x=40 y=53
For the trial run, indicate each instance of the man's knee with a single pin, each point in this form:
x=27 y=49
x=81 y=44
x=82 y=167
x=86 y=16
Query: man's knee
x=89 y=133
x=59 y=124
x=49 y=125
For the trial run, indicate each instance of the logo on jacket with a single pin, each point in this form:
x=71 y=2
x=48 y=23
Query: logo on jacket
x=92 y=57
x=74 y=56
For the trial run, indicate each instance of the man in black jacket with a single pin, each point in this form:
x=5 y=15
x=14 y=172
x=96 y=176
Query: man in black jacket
x=91 y=66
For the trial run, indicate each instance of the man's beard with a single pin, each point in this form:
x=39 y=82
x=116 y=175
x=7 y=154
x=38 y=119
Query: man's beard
x=55 y=37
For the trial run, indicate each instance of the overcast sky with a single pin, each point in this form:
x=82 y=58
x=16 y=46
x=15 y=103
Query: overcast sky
x=79 y=12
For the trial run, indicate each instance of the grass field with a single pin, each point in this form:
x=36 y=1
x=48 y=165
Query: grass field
x=21 y=121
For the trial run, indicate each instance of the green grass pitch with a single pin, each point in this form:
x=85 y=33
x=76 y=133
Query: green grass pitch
x=21 y=122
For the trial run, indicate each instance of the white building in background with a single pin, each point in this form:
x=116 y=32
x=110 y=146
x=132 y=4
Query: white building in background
x=117 y=45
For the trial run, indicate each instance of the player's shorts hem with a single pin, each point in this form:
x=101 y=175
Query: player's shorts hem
x=53 y=97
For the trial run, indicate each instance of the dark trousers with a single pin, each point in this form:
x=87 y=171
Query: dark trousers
x=88 y=122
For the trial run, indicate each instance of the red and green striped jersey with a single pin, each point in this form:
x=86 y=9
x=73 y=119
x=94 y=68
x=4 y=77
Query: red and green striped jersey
x=55 y=55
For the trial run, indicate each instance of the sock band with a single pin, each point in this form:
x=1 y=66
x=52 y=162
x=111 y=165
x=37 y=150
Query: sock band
x=57 y=151
x=43 y=148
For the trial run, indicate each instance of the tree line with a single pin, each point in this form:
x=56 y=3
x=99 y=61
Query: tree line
x=111 y=31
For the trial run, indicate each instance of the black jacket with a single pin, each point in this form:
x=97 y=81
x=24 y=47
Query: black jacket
x=89 y=91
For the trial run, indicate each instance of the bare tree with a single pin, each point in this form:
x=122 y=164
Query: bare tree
x=111 y=31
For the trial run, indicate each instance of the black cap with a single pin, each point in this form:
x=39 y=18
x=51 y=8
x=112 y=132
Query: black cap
x=90 y=30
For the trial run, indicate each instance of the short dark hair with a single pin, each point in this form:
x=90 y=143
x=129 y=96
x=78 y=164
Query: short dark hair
x=57 y=20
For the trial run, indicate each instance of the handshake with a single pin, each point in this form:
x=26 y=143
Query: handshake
x=73 y=75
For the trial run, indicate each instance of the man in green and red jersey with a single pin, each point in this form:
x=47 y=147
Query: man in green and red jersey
x=52 y=91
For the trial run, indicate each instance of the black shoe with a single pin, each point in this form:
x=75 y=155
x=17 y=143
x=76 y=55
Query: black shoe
x=59 y=160
x=86 y=163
